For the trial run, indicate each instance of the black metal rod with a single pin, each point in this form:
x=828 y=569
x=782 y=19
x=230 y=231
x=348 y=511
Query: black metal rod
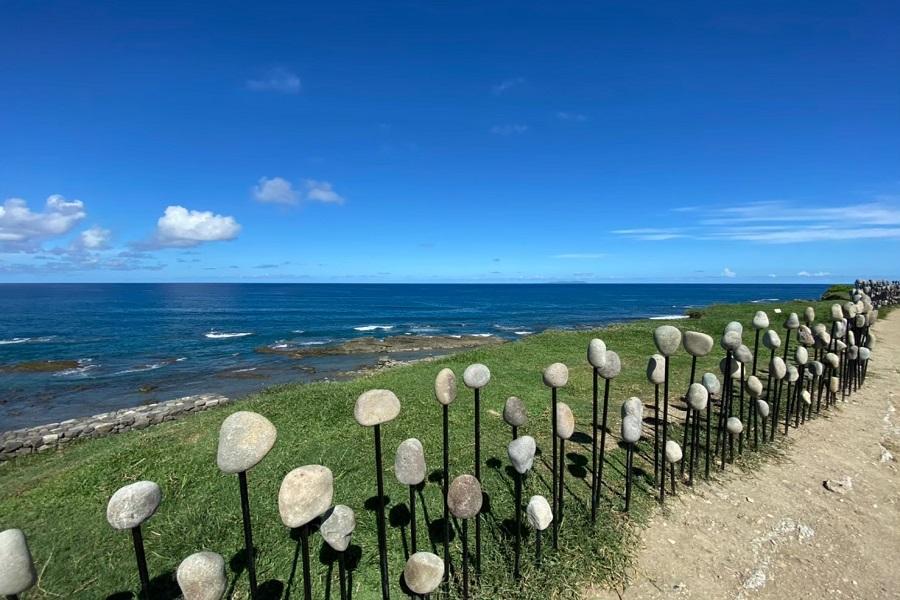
x=656 y=457
x=342 y=575
x=594 y=448
x=755 y=350
x=741 y=411
x=708 y=437
x=141 y=561
x=515 y=432
x=478 y=477
x=555 y=468
x=412 y=519
x=665 y=436
x=788 y=409
x=446 y=482
x=307 y=575
x=672 y=472
x=629 y=453
x=726 y=406
x=687 y=412
x=518 y=524
x=465 y=557
x=537 y=547
x=562 y=479
x=382 y=533
x=602 y=456
x=248 y=532
x=695 y=434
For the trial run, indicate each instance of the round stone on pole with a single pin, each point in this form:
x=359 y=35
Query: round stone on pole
x=476 y=376
x=17 y=573
x=609 y=370
x=515 y=414
x=554 y=377
x=565 y=427
x=445 y=392
x=409 y=468
x=465 y=499
x=521 y=455
x=667 y=339
x=540 y=516
x=201 y=576
x=128 y=508
x=337 y=529
x=423 y=573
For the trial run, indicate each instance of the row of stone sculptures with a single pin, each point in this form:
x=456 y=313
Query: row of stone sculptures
x=831 y=360
x=881 y=292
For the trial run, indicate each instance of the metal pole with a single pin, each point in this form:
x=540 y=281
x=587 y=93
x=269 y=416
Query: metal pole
x=465 y=557
x=603 y=438
x=656 y=457
x=307 y=577
x=382 y=533
x=248 y=533
x=629 y=453
x=478 y=477
x=665 y=437
x=555 y=469
x=446 y=482
x=412 y=519
x=141 y=561
x=562 y=478
x=342 y=572
x=518 y=524
x=755 y=350
x=594 y=448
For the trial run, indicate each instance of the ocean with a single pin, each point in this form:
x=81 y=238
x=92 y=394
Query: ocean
x=119 y=345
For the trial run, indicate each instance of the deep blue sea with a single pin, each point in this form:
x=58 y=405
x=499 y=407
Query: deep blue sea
x=141 y=343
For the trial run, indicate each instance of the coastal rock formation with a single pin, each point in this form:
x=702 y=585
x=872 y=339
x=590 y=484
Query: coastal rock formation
x=201 y=576
x=423 y=572
x=133 y=504
x=244 y=439
x=17 y=572
x=390 y=344
x=305 y=493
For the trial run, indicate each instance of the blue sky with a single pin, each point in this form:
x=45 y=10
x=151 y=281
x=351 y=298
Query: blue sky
x=489 y=141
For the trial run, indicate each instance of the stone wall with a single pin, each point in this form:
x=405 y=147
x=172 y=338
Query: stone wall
x=53 y=435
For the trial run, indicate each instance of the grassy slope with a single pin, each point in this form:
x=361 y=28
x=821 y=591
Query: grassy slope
x=59 y=499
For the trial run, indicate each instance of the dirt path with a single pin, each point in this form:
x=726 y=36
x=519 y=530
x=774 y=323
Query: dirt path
x=778 y=532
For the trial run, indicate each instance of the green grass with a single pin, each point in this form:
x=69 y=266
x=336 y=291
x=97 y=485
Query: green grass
x=59 y=499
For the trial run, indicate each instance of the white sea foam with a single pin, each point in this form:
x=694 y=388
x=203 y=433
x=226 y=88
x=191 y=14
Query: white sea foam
x=506 y=327
x=15 y=341
x=669 y=317
x=23 y=340
x=481 y=335
x=313 y=343
x=143 y=368
x=84 y=366
x=373 y=327
x=298 y=331
x=222 y=335
x=247 y=370
x=523 y=332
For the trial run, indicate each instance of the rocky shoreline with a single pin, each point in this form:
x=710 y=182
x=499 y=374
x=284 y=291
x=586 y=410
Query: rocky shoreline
x=386 y=345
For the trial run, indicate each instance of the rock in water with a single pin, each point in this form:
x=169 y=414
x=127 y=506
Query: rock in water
x=133 y=504
x=792 y=322
x=762 y=408
x=631 y=429
x=697 y=344
x=464 y=497
x=809 y=315
x=409 y=462
x=673 y=452
x=375 y=407
x=656 y=369
x=711 y=383
x=760 y=320
x=244 y=439
x=556 y=375
x=736 y=327
x=445 y=386
x=777 y=368
x=17 y=573
x=697 y=396
x=634 y=407
x=611 y=366
x=338 y=526
x=514 y=412
x=667 y=339
x=734 y=426
x=565 y=421
x=597 y=353
x=305 y=493
x=521 y=453
x=476 y=376
x=771 y=339
x=201 y=576
x=539 y=513
x=754 y=386
x=744 y=355
x=731 y=341
x=423 y=572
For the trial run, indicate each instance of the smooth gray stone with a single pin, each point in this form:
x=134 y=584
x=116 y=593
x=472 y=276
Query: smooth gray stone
x=409 y=462
x=521 y=453
x=17 y=573
x=244 y=439
x=305 y=494
x=864 y=353
x=656 y=369
x=423 y=572
x=514 y=412
x=375 y=407
x=744 y=354
x=711 y=383
x=673 y=452
x=201 y=576
x=133 y=504
x=801 y=355
x=832 y=360
x=819 y=328
x=631 y=429
x=840 y=328
x=853 y=352
x=731 y=340
x=556 y=375
x=667 y=339
x=736 y=327
x=851 y=338
x=697 y=344
x=834 y=385
x=823 y=340
x=697 y=396
x=805 y=336
x=840 y=345
x=445 y=386
x=735 y=368
x=565 y=421
x=611 y=367
x=806 y=396
x=771 y=339
x=762 y=409
x=817 y=368
x=777 y=368
x=860 y=321
x=338 y=526
x=754 y=386
x=849 y=310
x=792 y=374
x=634 y=407
x=837 y=313
x=596 y=352
x=809 y=315
x=792 y=322
x=734 y=425
x=871 y=340
x=476 y=376
x=760 y=320
x=464 y=497
x=539 y=513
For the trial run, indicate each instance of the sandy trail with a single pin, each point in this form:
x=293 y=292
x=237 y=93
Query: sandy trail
x=778 y=532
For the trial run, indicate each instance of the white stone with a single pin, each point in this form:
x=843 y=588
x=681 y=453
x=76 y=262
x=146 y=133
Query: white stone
x=409 y=462
x=667 y=339
x=133 y=504
x=596 y=352
x=762 y=408
x=338 y=526
x=17 y=573
x=697 y=396
x=445 y=386
x=375 y=407
x=634 y=407
x=771 y=339
x=423 y=572
x=734 y=425
x=711 y=383
x=244 y=439
x=305 y=493
x=521 y=453
x=611 y=367
x=673 y=452
x=556 y=375
x=777 y=368
x=565 y=421
x=754 y=386
x=476 y=376
x=801 y=355
x=539 y=513
x=656 y=369
x=760 y=320
x=697 y=344
x=631 y=429
x=201 y=576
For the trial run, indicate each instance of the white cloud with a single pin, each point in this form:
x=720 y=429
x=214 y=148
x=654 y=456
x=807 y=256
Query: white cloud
x=94 y=238
x=726 y=272
x=571 y=116
x=24 y=230
x=322 y=191
x=816 y=274
x=578 y=256
x=275 y=191
x=276 y=80
x=180 y=227
x=650 y=233
x=507 y=84
x=509 y=129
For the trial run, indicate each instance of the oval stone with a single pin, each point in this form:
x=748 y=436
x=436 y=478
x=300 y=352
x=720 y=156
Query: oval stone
x=754 y=386
x=244 y=439
x=806 y=396
x=673 y=452
x=864 y=353
x=305 y=494
x=819 y=328
x=801 y=355
x=133 y=504
x=423 y=572
x=851 y=338
x=697 y=344
x=711 y=383
x=445 y=386
x=832 y=360
x=656 y=369
x=631 y=429
x=817 y=368
x=521 y=453
x=734 y=326
x=338 y=526
x=667 y=339
x=697 y=396
x=596 y=353
x=849 y=310
x=565 y=421
x=539 y=513
x=760 y=320
x=611 y=367
x=464 y=497
x=837 y=313
x=634 y=407
x=860 y=321
x=201 y=576
x=805 y=336
x=762 y=409
x=731 y=341
x=375 y=407
x=792 y=322
x=476 y=376
x=734 y=425
x=777 y=368
x=735 y=368
x=792 y=374
x=834 y=385
x=17 y=573
x=853 y=352
x=823 y=340
x=556 y=375
x=771 y=339
x=409 y=462
x=744 y=354
x=514 y=412
x=809 y=315
x=840 y=345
